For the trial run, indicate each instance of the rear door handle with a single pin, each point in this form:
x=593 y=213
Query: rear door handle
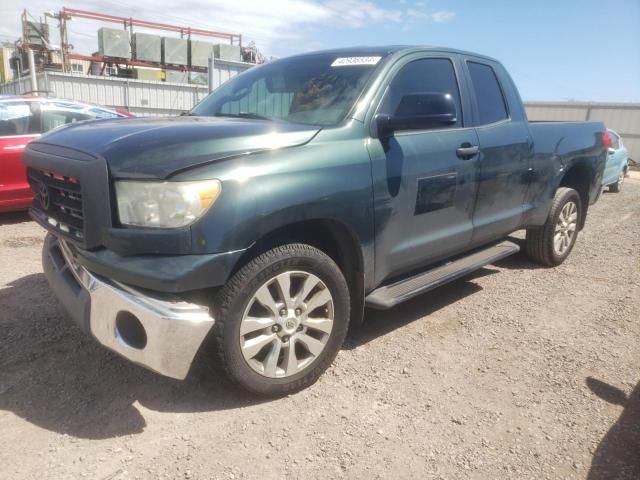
x=467 y=151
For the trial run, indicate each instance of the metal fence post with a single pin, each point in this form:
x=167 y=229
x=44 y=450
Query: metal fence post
x=126 y=96
x=210 y=66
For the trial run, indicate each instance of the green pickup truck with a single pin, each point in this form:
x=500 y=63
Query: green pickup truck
x=294 y=196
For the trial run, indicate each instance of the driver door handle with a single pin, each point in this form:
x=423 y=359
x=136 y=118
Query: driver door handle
x=467 y=151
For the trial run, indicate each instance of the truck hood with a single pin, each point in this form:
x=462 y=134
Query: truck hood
x=157 y=148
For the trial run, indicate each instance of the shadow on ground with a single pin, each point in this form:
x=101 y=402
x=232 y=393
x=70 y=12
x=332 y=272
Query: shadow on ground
x=380 y=322
x=54 y=376
x=11 y=218
x=519 y=261
x=618 y=454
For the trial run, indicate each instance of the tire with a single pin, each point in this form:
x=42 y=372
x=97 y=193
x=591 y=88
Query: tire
x=240 y=303
x=617 y=187
x=539 y=244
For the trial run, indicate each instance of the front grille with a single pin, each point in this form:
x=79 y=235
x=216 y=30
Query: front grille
x=58 y=201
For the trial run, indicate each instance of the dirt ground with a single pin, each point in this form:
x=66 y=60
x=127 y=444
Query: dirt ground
x=514 y=372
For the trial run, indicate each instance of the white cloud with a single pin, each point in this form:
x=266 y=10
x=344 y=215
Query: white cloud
x=275 y=25
x=358 y=13
x=442 y=16
x=415 y=14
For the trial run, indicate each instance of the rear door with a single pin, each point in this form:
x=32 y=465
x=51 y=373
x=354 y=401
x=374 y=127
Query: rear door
x=423 y=192
x=615 y=159
x=505 y=146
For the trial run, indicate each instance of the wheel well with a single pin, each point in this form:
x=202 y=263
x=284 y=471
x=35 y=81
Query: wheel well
x=331 y=237
x=579 y=178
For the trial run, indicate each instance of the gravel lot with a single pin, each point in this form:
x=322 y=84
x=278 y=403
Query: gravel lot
x=514 y=372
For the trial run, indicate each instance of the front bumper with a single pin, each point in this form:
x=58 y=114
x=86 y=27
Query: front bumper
x=160 y=332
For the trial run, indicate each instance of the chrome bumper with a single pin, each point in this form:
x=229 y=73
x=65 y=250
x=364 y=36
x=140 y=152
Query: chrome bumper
x=160 y=332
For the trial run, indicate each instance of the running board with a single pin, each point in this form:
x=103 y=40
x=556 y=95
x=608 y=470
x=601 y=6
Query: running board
x=389 y=296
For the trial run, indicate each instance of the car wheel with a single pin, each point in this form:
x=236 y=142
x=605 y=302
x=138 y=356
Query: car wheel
x=616 y=187
x=281 y=319
x=552 y=243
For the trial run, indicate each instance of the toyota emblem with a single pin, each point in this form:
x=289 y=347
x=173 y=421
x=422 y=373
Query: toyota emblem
x=44 y=196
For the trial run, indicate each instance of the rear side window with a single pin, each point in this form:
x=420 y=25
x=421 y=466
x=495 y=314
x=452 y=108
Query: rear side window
x=435 y=75
x=18 y=118
x=491 y=105
x=54 y=118
x=615 y=140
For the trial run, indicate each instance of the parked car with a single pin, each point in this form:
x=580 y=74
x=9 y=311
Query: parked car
x=23 y=119
x=294 y=195
x=617 y=163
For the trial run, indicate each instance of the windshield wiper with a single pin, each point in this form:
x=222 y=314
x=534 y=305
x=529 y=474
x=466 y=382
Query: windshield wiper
x=253 y=116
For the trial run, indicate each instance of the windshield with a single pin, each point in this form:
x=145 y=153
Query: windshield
x=316 y=89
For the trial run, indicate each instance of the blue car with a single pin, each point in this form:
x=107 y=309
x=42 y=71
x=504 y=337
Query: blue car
x=617 y=164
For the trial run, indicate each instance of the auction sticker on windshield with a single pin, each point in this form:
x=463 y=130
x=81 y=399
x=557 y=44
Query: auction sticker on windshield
x=346 y=61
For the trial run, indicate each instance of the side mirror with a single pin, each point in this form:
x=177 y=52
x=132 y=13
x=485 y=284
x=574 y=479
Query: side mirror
x=419 y=111
x=611 y=151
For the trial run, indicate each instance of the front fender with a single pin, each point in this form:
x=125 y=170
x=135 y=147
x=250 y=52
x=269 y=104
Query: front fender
x=328 y=179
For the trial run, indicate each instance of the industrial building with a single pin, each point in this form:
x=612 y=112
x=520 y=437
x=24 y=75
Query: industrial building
x=175 y=55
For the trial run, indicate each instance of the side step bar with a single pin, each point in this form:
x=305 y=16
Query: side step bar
x=389 y=296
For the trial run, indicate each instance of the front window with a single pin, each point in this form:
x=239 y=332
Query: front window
x=316 y=89
x=423 y=75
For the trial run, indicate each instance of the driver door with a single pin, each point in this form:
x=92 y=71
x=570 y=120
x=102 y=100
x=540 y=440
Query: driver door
x=424 y=189
x=18 y=126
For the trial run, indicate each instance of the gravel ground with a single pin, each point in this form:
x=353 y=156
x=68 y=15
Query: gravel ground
x=514 y=372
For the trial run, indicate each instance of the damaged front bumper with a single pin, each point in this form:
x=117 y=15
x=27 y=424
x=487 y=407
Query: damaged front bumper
x=158 y=331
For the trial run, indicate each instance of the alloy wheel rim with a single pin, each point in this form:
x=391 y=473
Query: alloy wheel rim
x=565 y=228
x=287 y=324
x=621 y=179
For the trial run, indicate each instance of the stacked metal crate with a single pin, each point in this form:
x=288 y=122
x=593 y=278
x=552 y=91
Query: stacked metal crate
x=114 y=43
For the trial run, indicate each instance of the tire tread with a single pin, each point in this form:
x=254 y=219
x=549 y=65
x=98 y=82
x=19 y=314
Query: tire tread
x=223 y=305
x=539 y=241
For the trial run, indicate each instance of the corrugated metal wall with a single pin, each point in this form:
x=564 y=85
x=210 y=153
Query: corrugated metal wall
x=138 y=96
x=16 y=87
x=624 y=118
x=141 y=97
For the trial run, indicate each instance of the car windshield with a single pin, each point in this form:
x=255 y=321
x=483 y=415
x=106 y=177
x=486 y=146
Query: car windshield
x=316 y=89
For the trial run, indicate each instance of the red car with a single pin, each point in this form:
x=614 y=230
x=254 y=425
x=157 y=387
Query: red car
x=23 y=119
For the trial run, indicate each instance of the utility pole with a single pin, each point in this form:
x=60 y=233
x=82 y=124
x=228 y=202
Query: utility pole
x=61 y=16
x=210 y=73
x=64 y=46
x=32 y=72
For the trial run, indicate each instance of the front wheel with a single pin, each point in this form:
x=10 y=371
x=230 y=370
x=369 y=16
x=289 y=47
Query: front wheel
x=552 y=243
x=281 y=319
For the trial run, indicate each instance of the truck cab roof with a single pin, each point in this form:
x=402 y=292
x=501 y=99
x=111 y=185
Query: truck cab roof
x=386 y=50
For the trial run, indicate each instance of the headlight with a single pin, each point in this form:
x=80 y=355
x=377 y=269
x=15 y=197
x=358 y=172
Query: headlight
x=164 y=204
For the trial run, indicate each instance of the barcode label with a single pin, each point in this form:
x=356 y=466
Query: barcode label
x=346 y=61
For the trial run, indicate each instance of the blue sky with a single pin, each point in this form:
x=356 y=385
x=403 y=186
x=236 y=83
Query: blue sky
x=555 y=50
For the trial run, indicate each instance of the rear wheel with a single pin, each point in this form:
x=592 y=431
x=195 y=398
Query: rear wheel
x=281 y=319
x=616 y=187
x=552 y=243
